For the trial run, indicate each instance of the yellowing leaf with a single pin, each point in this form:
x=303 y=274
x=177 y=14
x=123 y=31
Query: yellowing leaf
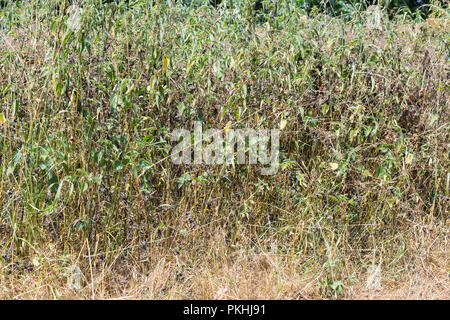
x=227 y=127
x=166 y=61
x=409 y=158
x=283 y=124
x=152 y=84
x=366 y=173
x=256 y=117
x=189 y=67
x=333 y=166
x=73 y=99
x=2 y=119
x=35 y=262
x=353 y=134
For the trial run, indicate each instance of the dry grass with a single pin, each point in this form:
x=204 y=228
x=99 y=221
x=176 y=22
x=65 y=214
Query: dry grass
x=86 y=181
x=420 y=273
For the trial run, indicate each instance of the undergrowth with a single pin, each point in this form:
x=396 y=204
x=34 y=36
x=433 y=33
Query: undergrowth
x=87 y=106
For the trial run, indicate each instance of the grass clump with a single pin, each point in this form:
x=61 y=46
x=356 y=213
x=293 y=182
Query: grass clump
x=88 y=99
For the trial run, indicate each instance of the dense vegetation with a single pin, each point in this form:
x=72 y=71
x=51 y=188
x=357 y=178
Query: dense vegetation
x=89 y=96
